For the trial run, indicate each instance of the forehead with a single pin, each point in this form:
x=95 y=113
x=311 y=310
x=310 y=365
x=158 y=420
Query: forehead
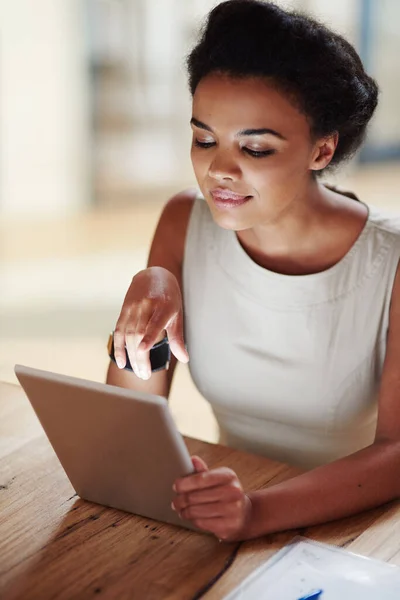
x=228 y=103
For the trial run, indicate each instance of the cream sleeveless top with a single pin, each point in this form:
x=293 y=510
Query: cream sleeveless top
x=290 y=365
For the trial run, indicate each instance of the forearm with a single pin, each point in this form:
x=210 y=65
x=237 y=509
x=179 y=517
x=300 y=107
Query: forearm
x=158 y=383
x=347 y=486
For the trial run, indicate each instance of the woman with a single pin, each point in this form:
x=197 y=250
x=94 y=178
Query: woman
x=288 y=291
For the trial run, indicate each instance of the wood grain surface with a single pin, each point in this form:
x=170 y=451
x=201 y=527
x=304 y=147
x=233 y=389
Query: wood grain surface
x=53 y=545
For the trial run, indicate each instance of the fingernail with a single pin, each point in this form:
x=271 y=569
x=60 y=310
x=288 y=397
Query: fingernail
x=119 y=362
x=173 y=507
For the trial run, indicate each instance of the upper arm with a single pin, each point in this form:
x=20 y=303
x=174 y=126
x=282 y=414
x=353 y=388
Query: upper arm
x=388 y=428
x=167 y=250
x=168 y=245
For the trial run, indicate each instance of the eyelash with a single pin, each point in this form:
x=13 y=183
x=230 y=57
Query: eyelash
x=253 y=153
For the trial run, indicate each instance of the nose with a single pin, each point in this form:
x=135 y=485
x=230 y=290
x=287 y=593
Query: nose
x=224 y=167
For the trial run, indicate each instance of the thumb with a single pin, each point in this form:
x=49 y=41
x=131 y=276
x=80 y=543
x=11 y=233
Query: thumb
x=174 y=331
x=199 y=464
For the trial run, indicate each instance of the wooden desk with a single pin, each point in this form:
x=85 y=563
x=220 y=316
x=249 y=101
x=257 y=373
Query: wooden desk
x=55 y=545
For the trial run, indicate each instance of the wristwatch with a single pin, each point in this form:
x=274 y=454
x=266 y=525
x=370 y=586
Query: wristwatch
x=160 y=355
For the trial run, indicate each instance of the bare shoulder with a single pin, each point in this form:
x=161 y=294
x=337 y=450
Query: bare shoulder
x=168 y=245
x=176 y=211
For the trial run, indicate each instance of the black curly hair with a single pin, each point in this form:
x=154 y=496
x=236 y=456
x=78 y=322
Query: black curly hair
x=319 y=70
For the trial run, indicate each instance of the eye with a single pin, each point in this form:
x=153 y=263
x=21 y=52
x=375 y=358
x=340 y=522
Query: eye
x=258 y=153
x=253 y=153
x=200 y=144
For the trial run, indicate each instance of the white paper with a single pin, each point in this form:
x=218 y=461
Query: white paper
x=305 y=566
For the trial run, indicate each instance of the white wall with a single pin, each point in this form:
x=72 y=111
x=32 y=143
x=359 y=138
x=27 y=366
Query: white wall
x=340 y=15
x=44 y=117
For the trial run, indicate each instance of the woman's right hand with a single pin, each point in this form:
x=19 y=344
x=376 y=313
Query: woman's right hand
x=152 y=305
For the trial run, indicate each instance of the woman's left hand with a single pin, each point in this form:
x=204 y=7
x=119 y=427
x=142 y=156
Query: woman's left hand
x=214 y=500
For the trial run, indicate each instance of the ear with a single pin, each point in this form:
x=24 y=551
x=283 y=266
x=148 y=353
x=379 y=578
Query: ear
x=323 y=152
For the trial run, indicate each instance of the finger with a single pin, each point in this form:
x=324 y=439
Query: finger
x=199 y=464
x=119 y=342
x=226 y=493
x=142 y=358
x=131 y=340
x=212 y=510
x=206 y=479
x=175 y=338
x=155 y=327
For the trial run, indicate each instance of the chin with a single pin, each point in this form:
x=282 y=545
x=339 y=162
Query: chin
x=229 y=221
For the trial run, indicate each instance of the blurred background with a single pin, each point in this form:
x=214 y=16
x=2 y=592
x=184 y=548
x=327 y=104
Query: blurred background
x=94 y=138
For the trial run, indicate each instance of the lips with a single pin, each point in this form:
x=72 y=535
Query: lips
x=225 y=194
x=225 y=198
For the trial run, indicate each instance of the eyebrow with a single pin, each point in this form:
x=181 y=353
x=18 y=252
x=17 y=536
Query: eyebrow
x=252 y=131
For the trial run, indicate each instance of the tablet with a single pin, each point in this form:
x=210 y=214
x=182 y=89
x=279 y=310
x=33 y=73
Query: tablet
x=118 y=447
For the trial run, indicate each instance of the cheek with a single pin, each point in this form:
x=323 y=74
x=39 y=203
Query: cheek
x=297 y=158
x=275 y=185
x=263 y=174
x=281 y=172
x=199 y=160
